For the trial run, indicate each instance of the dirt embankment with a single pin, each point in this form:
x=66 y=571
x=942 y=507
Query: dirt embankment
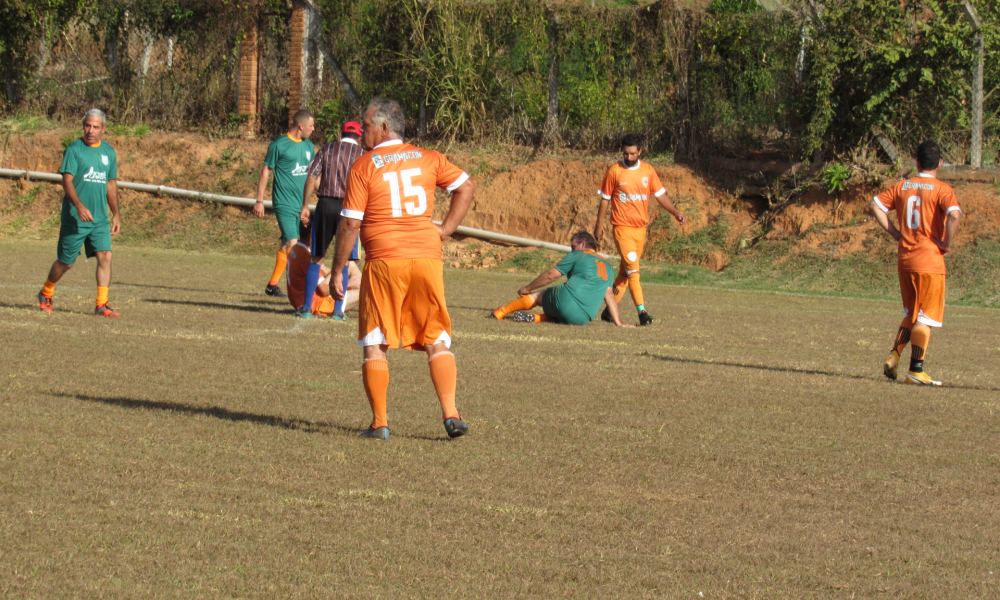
x=545 y=199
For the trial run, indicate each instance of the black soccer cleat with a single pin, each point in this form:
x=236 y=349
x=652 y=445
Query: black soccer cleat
x=522 y=316
x=273 y=290
x=606 y=315
x=375 y=433
x=645 y=319
x=455 y=427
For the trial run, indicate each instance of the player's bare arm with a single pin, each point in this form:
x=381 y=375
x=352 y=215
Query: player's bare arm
x=544 y=279
x=602 y=210
x=265 y=174
x=461 y=198
x=950 y=231
x=670 y=208
x=347 y=232
x=116 y=223
x=882 y=218
x=612 y=304
x=81 y=210
x=312 y=183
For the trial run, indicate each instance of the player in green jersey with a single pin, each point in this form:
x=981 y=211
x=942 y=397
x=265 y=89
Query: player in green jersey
x=89 y=171
x=289 y=157
x=576 y=302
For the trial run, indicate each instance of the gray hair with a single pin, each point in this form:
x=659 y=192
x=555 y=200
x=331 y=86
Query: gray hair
x=390 y=112
x=96 y=112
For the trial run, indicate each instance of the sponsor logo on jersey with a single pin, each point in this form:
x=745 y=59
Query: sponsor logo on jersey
x=93 y=176
x=104 y=159
x=623 y=197
x=645 y=182
x=382 y=160
x=308 y=155
x=299 y=170
x=913 y=185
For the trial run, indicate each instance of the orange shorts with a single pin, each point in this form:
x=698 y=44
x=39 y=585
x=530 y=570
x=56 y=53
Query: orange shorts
x=402 y=303
x=323 y=305
x=630 y=242
x=923 y=297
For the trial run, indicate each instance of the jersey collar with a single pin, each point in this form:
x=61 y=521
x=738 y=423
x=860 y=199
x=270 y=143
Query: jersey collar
x=348 y=141
x=97 y=145
x=924 y=175
x=294 y=139
x=637 y=163
x=389 y=143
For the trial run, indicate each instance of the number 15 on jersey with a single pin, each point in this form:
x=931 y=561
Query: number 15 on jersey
x=409 y=191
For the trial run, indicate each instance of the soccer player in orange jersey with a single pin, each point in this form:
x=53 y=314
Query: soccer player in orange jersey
x=390 y=199
x=322 y=303
x=927 y=219
x=628 y=185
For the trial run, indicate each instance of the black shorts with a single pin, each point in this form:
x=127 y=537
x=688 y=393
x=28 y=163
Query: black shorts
x=324 y=223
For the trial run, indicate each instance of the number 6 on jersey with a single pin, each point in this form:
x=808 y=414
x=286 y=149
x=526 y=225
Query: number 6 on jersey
x=409 y=191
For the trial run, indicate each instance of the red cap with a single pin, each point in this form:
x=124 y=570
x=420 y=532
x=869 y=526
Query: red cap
x=352 y=127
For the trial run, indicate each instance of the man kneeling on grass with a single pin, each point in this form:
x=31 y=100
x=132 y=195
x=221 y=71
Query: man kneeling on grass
x=299 y=259
x=576 y=302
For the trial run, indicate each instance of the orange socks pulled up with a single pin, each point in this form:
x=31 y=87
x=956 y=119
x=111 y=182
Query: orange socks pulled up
x=919 y=339
x=48 y=289
x=620 y=284
x=375 y=374
x=522 y=303
x=635 y=289
x=444 y=374
x=102 y=295
x=902 y=336
x=280 y=261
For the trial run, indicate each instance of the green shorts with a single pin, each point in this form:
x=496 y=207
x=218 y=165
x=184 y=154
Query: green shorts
x=72 y=235
x=562 y=307
x=288 y=222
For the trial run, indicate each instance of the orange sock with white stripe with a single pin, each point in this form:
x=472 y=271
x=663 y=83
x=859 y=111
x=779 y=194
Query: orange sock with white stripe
x=280 y=261
x=48 y=289
x=444 y=374
x=375 y=374
x=522 y=303
x=102 y=295
x=635 y=289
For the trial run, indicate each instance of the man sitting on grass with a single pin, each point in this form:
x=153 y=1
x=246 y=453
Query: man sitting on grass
x=576 y=302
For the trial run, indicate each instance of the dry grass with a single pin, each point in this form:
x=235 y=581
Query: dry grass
x=745 y=446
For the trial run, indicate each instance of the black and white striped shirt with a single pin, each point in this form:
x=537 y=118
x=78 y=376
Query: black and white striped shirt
x=332 y=165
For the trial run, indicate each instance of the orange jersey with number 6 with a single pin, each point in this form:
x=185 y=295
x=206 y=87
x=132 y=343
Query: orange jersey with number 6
x=391 y=191
x=922 y=204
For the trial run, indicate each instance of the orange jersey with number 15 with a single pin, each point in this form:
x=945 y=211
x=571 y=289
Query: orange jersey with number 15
x=630 y=189
x=922 y=204
x=391 y=191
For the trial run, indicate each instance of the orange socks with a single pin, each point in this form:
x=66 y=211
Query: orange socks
x=902 y=336
x=102 y=295
x=444 y=374
x=621 y=282
x=48 y=289
x=280 y=261
x=375 y=373
x=522 y=303
x=919 y=339
x=635 y=289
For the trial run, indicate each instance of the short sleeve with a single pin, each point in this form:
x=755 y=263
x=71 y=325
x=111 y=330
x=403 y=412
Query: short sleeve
x=567 y=263
x=655 y=185
x=70 y=162
x=316 y=166
x=449 y=176
x=949 y=202
x=113 y=166
x=887 y=200
x=608 y=185
x=271 y=158
x=356 y=198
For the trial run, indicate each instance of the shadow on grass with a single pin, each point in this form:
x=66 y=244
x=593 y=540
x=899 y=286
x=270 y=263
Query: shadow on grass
x=171 y=287
x=34 y=308
x=254 y=309
x=722 y=363
x=214 y=411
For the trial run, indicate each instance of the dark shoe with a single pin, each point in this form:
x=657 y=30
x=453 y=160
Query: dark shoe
x=302 y=313
x=522 y=315
x=606 y=315
x=645 y=319
x=455 y=427
x=375 y=433
x=273 y=290
x=44 y=303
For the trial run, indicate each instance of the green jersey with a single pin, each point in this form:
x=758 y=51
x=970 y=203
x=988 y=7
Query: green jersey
x=588 y=277
x=290 y=161
x=92 y=168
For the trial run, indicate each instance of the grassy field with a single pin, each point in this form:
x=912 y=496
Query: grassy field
x=744 y=446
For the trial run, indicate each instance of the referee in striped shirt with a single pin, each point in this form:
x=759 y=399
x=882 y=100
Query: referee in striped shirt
x=328 y=173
